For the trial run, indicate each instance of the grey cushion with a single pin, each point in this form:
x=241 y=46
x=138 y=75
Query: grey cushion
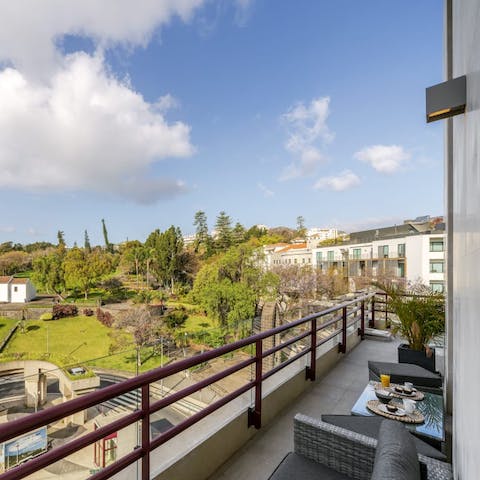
x=404 y=372
x=370 y=426
x=297 y=466
x=396 y=457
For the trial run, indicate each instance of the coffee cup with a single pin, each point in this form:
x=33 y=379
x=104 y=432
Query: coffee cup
x=409 y=405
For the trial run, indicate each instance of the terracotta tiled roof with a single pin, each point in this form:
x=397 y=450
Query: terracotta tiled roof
x=5 y=279
x=297 y=246
x=20 y=281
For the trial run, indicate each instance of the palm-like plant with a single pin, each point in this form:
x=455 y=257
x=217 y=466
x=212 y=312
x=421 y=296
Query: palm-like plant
x=420 y=312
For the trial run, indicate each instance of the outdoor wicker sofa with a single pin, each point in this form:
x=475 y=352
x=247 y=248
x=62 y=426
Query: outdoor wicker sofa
x=326 y=452
x=370 y=427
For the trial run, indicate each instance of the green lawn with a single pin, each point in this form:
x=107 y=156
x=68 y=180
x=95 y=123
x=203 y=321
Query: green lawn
x=77 y=339
x=6 y=324
x=198 y=323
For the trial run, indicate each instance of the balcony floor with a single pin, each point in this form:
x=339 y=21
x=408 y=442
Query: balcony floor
x=335 y=393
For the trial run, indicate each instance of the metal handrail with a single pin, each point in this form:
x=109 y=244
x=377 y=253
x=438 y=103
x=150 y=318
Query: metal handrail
x=31 y=422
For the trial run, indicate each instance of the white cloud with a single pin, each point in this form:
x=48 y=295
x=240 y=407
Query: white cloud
x=31 y=30
x=384 y=158
x=165 y=103
x=66 y=122
x=306 y=127
x=266 y=191
x=344 y=181
x=86 y=130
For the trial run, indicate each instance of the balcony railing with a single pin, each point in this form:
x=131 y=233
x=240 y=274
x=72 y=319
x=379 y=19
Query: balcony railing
x=316 y=330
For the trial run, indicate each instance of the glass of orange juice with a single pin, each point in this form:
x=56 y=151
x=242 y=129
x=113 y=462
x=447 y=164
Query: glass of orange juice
x=385 y=379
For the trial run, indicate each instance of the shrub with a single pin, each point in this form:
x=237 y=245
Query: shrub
x=105 y=318
x=176 y=318
x=46 y=316
x=61 y=311
x=88 y=312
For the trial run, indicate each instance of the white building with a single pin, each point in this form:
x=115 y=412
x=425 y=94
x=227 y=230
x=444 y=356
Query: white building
x=316 y=235
x=412 y=252
x=16 y=290
x=287 y=254
x=411 y=258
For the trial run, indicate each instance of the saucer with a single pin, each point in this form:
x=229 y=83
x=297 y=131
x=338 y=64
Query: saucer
x=399 y=413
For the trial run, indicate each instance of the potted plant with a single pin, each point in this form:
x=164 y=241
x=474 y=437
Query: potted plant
x=421 y=317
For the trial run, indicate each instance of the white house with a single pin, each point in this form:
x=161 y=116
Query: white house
x=16 y=290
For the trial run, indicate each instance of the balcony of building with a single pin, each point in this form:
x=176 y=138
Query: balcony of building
x=315 y=365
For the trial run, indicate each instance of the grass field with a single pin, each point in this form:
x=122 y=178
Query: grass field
x=82 y=339
x=6 y=324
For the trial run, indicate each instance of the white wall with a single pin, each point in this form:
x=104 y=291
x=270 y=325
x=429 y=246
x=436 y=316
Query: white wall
x=25 y=292
x=20 y=294
x=465 y=254
x=4 y=293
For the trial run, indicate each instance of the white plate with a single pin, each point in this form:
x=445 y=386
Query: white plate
x=399 y=413
x=414 y=392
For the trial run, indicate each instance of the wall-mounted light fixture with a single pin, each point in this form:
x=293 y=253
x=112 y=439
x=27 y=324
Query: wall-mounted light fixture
x=446 y=99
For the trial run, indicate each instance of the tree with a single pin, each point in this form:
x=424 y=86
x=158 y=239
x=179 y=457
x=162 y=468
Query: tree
x=203 y=241
x=108 y=245
x=61 y=239
x=284 y=234
x=132 y=256
x=201 y=227
x=49 y=273
x=238 y=234
x=223 y=230
x=84 y=270
x=230 y=287
x=296 y=283
x=301 y=230
x=145 y=327
x=168 y=255
x=14 y=261
x=87 y=245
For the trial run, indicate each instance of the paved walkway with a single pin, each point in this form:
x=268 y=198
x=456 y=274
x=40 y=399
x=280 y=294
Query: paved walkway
x=335 y=393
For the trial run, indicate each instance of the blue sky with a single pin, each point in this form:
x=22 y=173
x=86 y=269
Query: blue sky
x=144 y=112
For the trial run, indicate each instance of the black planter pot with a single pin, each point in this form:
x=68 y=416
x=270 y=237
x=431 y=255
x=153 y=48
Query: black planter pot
x=407 y=355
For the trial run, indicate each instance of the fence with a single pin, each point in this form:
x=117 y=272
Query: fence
x=315 y=330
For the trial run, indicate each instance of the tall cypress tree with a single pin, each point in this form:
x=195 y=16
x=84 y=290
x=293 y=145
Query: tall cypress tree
x=88 y=247
x=108 y=245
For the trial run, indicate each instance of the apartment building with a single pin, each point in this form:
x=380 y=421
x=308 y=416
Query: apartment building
x=408 y=253
x=407 y=259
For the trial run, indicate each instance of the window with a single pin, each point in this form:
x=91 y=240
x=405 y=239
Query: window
x=319 y=257
x=383 y=251
x=356 y=253
x=401 y=270
x=436 y=245
x=15 y=289
x=401 y=250
x=294 y=260
x=437 y=287
x=330 y=254
x=436 y=266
